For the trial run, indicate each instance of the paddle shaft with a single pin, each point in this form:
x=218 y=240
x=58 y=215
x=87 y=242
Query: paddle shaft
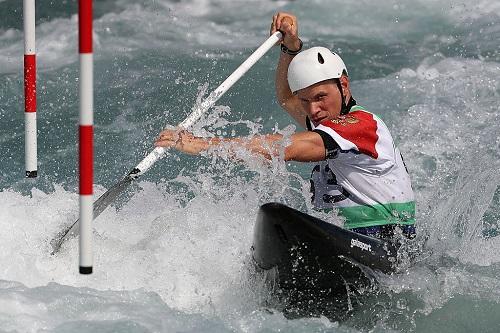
x=158 y=152
x=109 y=196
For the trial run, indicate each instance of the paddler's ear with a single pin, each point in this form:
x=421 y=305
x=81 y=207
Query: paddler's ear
x=345 y=84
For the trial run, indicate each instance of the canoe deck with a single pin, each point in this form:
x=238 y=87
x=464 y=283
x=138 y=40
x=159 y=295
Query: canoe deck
x=315 y=261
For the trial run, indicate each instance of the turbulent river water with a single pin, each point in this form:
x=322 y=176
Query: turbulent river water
x=173 y=253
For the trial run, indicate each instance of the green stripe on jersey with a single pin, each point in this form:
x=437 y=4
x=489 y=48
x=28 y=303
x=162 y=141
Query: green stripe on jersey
x=367 y=216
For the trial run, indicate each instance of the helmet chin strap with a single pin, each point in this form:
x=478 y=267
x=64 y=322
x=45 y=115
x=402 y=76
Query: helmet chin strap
x=345 y=108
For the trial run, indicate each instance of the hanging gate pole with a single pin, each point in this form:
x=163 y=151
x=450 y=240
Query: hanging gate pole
x=30 y=144
x=86 y=135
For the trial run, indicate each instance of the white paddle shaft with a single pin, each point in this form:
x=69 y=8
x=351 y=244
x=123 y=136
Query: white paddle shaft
x=158 y=152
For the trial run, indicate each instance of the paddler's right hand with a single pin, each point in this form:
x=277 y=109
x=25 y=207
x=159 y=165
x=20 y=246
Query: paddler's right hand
x=288 y=25
x=181 y=140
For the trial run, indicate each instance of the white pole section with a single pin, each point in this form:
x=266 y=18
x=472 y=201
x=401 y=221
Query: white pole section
x=86 y=135
x=30 y=144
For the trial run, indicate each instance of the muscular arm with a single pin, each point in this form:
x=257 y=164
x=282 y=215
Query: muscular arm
x=303 y=146
x=286 y=99
x=287 y=24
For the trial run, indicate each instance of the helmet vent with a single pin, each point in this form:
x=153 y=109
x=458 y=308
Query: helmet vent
x=320 y=58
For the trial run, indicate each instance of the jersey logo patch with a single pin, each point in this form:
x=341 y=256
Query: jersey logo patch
x=345 y=120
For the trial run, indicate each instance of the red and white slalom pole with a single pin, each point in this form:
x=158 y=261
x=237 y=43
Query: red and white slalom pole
x=30 y=144
x=86 y=136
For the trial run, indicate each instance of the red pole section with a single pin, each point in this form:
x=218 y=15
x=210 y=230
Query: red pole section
x=86 y=137
x=30 y=138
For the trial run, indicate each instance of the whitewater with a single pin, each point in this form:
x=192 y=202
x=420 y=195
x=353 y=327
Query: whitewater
x=173 y=253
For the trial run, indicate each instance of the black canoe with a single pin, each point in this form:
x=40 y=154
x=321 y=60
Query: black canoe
x=305 y=253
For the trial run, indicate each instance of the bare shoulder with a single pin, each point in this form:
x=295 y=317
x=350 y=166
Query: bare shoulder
x=307 y=136
x=306 y=146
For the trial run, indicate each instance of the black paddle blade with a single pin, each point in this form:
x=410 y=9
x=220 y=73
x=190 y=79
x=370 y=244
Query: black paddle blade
x=99 y=206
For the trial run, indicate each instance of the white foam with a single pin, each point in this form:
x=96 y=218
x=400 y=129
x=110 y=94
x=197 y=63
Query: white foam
x=181 y=240
x=165 y=27
x=186 y=243
x=444 y=115
x=195 y=27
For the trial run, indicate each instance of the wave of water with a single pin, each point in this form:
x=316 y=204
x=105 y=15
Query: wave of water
x=174 y=253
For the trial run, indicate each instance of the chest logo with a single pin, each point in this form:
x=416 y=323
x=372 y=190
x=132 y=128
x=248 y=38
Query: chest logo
x=345 y=120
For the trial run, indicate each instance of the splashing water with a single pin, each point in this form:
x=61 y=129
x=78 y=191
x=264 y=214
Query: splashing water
x=173 y=253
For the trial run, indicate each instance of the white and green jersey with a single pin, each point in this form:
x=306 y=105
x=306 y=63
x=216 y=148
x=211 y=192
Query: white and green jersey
x=364 y=175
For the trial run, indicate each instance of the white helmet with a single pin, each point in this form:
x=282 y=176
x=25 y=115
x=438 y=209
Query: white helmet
x=312 y=66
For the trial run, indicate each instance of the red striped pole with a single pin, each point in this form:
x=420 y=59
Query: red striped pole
x=86 y=136
x=30 y=144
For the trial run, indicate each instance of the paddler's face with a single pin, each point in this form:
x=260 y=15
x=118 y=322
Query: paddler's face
x=321 y=101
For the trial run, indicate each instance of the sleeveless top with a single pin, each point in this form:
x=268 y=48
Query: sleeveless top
x=364 y=175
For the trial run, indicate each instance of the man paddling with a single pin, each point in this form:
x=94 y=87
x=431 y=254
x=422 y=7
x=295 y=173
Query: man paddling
x=359 y=170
